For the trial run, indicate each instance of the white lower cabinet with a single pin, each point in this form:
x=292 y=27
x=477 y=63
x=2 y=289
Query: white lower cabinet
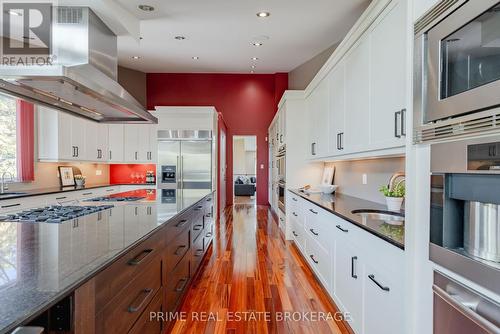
x=362 y=273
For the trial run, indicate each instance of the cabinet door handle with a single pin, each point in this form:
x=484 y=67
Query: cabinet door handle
x=295 y=234
x=181 y=223
x=86 y=194
x=181 y=284
x=77 y=151
x=372 y=278
x=281 y=138
x=296 y=215
x=315 y=212
x=145 y=295
x=10 y=205
x=198 y=208
x=136 y=155
x=139 y=257
x=181 y=247
x=342 y=229
x=403 y=122
x=74 y=151
x=110 y=155
x=397 y=114
x=313 y=232
x=110 y=189
x=197 y=227
x=353 y=267
x=208 y=235
x=136 y=210
x=59 y=198
x=198 y=253
x=313 y=149
x=312 y=258
x=341 y=140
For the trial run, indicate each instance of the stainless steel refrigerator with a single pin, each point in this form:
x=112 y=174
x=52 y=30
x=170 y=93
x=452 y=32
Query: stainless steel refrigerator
x=184 y=160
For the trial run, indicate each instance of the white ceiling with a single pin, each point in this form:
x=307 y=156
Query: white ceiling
x=220 y=33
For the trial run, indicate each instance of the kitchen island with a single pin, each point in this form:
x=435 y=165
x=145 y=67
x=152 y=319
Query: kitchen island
x=157 y=241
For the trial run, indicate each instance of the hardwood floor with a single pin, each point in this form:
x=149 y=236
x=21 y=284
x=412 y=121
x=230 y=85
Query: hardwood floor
x=244 y=199
x=253 y=270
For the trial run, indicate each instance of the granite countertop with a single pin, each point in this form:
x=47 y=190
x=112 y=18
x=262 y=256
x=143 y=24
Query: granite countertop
x=343 y=205
x=41 y=263
x=56 y=190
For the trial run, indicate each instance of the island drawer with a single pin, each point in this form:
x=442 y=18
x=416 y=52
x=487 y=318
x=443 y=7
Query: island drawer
x=177 y=282
x=146 y=325
x=176 y=249
x=197 y=226
x=179 y=225
x=120 y=314
x=113 y=279
x=198 y=250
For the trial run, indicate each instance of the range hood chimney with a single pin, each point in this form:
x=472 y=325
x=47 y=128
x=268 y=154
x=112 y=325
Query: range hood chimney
x=82 y=76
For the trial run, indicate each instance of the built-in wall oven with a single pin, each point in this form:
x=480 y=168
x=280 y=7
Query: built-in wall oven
x=459 y=59
x=281 y=164
x=465 y=209
x=281 y=195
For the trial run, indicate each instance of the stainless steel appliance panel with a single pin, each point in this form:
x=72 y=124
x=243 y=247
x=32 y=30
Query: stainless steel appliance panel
x=462 y=61
x=461 y=310
x=196 y=164
x=482 y=230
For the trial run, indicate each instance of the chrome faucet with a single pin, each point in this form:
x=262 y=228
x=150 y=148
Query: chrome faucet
x=3 y=185
x=394 y=177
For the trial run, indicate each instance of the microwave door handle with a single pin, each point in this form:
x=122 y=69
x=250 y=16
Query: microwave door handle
x=466 y=311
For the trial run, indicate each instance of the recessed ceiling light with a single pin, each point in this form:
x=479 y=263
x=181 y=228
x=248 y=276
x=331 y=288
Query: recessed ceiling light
x=263 y=14
x=136 y=57
x=14 y=13
x=196 y=58
x=252 y=72
x=255 y=58
x=253 y=66
x=257 y=43
x=146 y=8
x=180 y=38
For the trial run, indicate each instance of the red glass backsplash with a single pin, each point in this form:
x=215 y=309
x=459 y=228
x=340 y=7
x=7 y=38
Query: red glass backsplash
x=129 y=174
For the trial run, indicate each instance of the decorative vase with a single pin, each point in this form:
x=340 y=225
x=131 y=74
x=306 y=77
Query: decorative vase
x=394 y=203
x=80 y=182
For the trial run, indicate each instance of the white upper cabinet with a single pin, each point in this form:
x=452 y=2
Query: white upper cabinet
x=318 y=111
x=140 y=143
x=388 y=45
x=357 y=98
x=115 y=137
x=96 y=141
x=337 y=109
x=131 y=143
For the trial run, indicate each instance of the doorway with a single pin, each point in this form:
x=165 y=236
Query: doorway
x=245 y=169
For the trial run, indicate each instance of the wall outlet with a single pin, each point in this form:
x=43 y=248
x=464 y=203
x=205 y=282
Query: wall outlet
x=365 y=179
x=98 y=172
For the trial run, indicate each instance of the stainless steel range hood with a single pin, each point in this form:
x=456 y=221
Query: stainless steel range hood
x=82 y=77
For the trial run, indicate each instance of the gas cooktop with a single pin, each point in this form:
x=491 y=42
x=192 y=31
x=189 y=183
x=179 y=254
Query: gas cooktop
x=53 y=214
x=115 y=199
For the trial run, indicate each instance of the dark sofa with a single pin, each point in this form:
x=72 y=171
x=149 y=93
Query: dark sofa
x=245 y=186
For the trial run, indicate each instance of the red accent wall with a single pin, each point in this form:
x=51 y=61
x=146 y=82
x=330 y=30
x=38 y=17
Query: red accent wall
x=247 y=103
x=124 y=174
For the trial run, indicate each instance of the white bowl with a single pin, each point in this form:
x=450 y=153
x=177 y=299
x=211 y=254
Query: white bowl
x=328 y=188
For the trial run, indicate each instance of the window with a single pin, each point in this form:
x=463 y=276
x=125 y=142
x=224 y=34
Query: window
x=17 y=138
x=8 y=135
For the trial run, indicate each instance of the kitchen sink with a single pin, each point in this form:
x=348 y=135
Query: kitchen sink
x=389 y=217
x=11 y=193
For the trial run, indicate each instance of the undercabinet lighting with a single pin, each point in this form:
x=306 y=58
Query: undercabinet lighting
x=263 y=14
x=180 y=38
x=91 y=111
x=146 y=8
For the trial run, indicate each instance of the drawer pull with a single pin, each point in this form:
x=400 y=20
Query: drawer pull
x=296 y=215
x=181 y=223
x=181 y=284
x=110 y=190
x=314 y=260
x=181 y=247
x=372 y=278
x=139 y=258
x=313 y=232
x=294 y=199
x=85 y=194
x=197 y=227
x=209 y=199
x=353 y=267
x=145 y=295
x=208 y=235
x=59 y=198
x=295 y=233
x=342 y=229
x=315 y=212
x=198 y=253
x=10 y=205
x=198 y=208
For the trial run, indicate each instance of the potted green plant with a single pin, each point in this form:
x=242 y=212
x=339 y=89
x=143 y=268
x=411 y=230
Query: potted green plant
x=394 y=197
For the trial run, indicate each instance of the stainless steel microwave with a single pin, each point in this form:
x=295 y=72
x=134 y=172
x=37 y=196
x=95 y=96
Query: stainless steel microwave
x=461 y=61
